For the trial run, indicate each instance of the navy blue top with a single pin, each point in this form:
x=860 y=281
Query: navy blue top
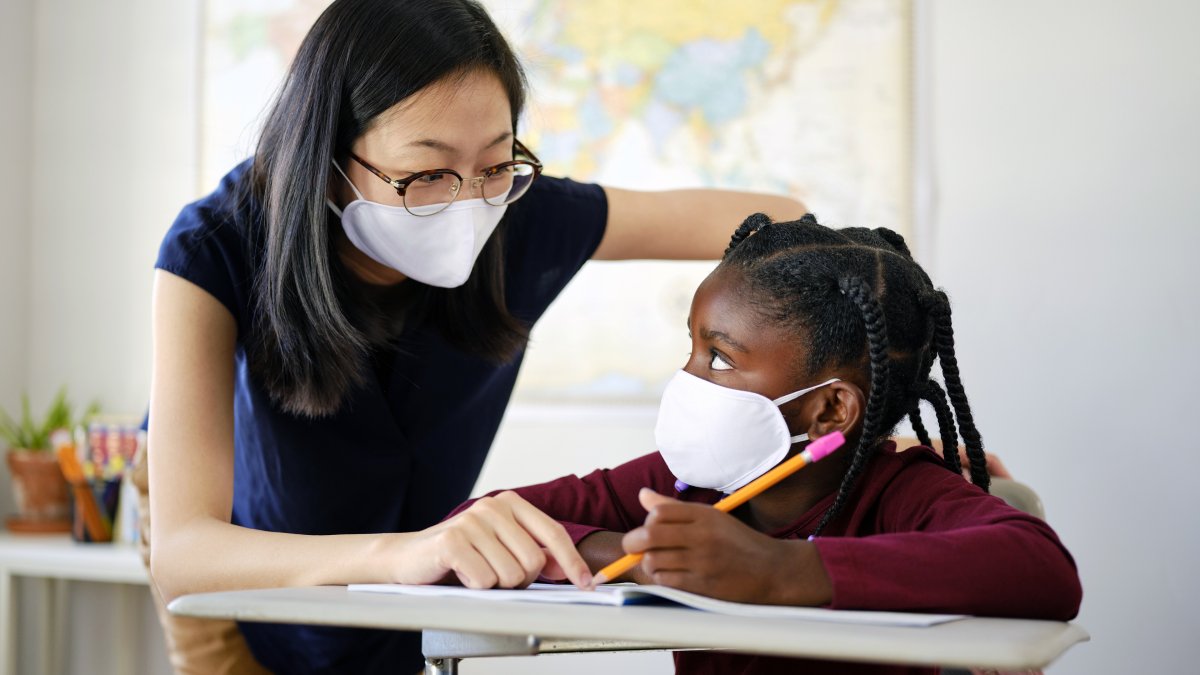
x=395 y=458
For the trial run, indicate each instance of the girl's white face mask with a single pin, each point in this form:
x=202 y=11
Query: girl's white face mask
x=720 y=438
x=439 y=250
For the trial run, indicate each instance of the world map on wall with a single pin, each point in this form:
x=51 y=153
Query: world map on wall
x=802 y=97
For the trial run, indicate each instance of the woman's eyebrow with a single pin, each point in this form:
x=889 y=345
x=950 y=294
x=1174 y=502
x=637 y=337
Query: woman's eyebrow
x=499 y=139
x=442 y=146
x=433 y=144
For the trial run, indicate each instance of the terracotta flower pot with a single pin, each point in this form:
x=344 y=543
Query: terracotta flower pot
x=43 y=502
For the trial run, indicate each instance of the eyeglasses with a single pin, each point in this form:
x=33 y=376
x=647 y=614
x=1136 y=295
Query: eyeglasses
x=428 y=192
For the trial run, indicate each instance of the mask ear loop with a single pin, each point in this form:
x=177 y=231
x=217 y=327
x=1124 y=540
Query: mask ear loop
x=358 y=194
x=795 y=395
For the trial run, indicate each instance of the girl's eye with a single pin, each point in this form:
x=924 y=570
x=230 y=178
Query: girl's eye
x=719 y=363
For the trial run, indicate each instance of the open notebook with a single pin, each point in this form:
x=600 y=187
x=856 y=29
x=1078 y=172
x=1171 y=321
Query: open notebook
x=633 y=594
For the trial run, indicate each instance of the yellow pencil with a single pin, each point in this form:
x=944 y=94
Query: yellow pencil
x=815 y=451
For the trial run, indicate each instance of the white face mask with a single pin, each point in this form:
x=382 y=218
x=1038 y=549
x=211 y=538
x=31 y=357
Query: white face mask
x=439 y=250
x=721 y=438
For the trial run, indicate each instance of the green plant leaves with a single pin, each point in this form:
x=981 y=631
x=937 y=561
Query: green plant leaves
x=29 y=434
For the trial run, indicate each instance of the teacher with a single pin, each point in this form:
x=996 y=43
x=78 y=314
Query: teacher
x=338 y=327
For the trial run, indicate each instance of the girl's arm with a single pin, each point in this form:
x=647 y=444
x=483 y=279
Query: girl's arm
x=940 y=545
x=948 y=547
x=682 y=224
x=195 y=548
x=944 y=546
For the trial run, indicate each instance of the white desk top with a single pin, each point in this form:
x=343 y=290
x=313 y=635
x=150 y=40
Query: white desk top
x=1006 y=644
x=57 y=556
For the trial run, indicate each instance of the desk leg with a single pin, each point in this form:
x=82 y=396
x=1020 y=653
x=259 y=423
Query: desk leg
x=8 y=624
x=448 y=666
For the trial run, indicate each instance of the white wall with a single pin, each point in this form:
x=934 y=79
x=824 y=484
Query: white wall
x=115 y=119
x=1066 y=137
x=16 y=108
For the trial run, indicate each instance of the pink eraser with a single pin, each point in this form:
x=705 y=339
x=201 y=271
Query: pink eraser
x=820 y=448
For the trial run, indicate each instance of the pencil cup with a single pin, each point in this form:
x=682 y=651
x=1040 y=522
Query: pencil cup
x=106 y=494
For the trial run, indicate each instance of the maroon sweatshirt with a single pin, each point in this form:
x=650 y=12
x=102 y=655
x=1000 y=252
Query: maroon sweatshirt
x=913 y=537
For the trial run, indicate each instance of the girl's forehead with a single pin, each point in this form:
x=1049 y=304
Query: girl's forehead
x=723 y=287
x=727 y=302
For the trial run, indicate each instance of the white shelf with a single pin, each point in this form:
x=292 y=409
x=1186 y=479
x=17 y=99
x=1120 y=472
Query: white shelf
x=54 y=559
x=57 y=556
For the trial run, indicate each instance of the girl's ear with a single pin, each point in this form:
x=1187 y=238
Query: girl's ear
x=838 y=407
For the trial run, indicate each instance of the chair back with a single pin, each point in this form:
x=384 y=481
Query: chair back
x=1019 y=496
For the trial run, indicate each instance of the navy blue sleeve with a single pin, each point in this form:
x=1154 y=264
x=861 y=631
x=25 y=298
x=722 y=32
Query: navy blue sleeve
x=550 y=233
x=206 y=246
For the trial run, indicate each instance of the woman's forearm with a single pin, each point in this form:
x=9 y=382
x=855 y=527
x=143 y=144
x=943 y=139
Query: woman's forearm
x=210 y=555
x=500 y=541
x=682 y=224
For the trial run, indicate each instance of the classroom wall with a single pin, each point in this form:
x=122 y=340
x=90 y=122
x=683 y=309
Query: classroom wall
x=16 y=85
x=1060 y=224
x=1066 y=230
x=115 y=102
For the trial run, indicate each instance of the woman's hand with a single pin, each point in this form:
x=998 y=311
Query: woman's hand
x=697 y=548
x=995 y=467
x=501 y=541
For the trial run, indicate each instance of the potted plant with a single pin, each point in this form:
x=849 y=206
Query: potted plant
x=43 y=503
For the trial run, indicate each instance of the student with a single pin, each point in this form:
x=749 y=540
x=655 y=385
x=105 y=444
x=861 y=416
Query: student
x=338 y=327
x=801 y=331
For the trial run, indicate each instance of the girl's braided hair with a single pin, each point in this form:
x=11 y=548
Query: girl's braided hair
x=862 y=301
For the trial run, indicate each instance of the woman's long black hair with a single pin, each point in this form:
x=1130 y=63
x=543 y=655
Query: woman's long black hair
x=314 y=327
x=860 y=300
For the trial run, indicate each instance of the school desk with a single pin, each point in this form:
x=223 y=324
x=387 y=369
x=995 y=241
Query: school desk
x=456 y=628
x=53 y=560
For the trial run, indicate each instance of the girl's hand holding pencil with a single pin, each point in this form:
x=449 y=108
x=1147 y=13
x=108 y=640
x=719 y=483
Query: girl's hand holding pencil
x=703 y=549
x=695 y=548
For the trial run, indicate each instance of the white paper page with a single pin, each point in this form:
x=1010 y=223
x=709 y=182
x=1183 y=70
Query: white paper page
x=534 y=593
x=617 y=594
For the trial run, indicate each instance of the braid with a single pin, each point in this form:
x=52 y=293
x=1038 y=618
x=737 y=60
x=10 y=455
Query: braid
x=895 y=240
x=937 y=398
x=877 y=348
x=748 y=227
x=914 y=418
x=921 y=385
x=944 y=343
